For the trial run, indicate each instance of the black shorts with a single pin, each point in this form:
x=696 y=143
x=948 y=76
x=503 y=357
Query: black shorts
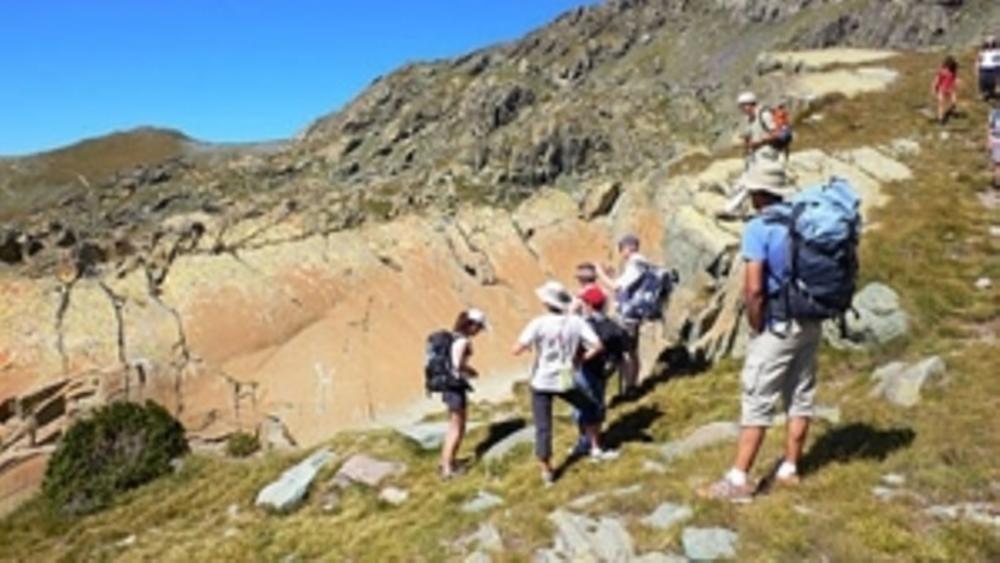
x=988 y=79
x=456 y=400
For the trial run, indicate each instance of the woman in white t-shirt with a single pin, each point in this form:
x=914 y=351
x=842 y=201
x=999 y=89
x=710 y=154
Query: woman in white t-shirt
x=557 y=337
x=988 y=67
x=468 y=324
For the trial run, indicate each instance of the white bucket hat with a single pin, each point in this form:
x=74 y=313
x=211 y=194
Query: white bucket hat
x=771 y=179
x=746 y=98
x=553 y=294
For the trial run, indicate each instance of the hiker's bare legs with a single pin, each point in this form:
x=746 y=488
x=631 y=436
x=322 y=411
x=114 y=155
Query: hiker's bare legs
x=453 y=439
x=798 y=429
x=751 y=438
x=593 y=433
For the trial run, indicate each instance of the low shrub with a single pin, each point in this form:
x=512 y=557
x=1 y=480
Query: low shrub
x=119 y=447
x=242 y=444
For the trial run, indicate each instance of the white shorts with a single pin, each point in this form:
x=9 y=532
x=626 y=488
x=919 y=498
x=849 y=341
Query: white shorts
x=780 y=364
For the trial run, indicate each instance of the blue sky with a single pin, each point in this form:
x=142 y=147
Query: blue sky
x=220 y=70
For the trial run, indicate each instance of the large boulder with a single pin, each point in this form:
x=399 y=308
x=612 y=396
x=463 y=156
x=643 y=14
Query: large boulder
x=366 y=470
x=877 y=319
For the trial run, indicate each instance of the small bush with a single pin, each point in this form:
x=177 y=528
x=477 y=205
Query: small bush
x=242 y=444
x=120 y=447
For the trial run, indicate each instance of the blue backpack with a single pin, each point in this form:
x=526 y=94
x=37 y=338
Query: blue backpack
x=824 y=227
x=647 y=296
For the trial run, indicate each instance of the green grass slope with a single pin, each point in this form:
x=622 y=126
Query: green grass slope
x=931 y=243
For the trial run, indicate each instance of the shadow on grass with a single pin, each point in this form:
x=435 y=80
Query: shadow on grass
x=857 y=441
x=632 y=427
x=672 y=363
x=496 y=432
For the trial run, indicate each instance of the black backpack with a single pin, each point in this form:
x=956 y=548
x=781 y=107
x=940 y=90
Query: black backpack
x=612 y=337
x=439 y=372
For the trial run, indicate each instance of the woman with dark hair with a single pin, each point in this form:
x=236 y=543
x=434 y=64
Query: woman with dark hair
x=468 y=324
x=945 y=88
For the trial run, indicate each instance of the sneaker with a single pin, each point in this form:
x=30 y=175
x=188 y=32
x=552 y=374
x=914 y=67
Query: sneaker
x=598 y=455
x=723 y=489
x=548 y=478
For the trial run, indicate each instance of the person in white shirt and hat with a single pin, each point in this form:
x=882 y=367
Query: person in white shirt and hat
x=761 y=140
x=561 y=341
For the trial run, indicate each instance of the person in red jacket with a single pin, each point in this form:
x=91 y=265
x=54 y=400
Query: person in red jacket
x=945 y=88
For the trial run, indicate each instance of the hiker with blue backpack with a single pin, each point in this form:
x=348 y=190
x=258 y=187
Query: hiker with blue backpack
x=641 y=292
x=800 y=255
x=447 y=371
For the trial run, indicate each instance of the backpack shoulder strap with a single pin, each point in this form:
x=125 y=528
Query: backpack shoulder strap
x=760 y=117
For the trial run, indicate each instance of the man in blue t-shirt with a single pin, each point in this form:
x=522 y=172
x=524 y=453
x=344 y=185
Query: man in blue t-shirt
x=781 y=355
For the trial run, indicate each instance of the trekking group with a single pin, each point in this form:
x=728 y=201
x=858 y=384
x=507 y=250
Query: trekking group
x=800 y=263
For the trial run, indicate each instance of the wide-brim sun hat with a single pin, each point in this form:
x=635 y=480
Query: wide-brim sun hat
x=770 y=179
x=746 y=98
x=553 y=294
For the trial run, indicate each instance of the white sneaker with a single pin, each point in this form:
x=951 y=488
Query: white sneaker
x=598 y=455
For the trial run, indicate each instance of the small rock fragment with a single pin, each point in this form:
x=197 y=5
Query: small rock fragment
x=708 y=544
x=667 y=515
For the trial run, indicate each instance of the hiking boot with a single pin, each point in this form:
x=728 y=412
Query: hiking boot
x=597 y=455
x=548 y=478
x=723 y=489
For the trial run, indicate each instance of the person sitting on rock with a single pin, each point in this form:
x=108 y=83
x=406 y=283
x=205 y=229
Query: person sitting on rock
x=633 y=266
x=781 y=355
x=764 y=143
x=945 y=89
x=557 y=337
x=596 y=371
x=468 y=325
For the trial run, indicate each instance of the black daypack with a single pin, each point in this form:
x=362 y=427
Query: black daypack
x=439 y=371
x=647 y=296
x=612 y=337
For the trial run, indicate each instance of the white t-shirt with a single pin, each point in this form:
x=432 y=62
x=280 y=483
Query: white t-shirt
x=989 y=59
x=459 y=346
x=556 y=339
x=631 y=272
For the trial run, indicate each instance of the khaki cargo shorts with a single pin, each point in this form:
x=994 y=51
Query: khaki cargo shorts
x=780 y=364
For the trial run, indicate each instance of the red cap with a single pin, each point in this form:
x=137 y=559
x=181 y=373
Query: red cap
x=594 y=296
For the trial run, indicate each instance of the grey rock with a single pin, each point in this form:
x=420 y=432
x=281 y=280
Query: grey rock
x=591 y=498
x=274 y=435
x=650 y=466
x=656 y=557
x=709 y=544
x=894 y=480
x=393 y=495
x=880 y=319
x=429 y=435
x=582 y=538
x=900 y=383
x=291 y=487
x=599 y=200
x=366 y=470
x=704 y=437
x=983 y=513
x=668 y=515
x=483 y=501
x=478 y=557
x=500 y=450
